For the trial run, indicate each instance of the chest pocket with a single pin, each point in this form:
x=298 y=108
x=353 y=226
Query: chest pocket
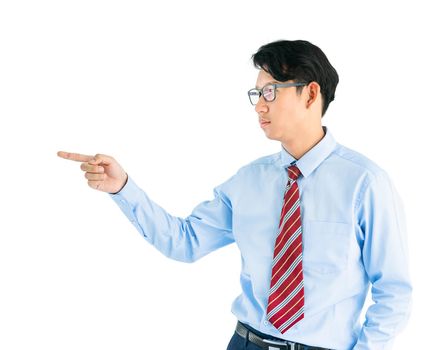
x=326 y=246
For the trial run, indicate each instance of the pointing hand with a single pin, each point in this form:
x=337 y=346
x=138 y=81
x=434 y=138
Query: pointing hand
x=102 y=171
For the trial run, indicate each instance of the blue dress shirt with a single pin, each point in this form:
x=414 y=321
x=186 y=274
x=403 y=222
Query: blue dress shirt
x=354 y=236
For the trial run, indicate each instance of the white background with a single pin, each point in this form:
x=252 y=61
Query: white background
x=162 y=88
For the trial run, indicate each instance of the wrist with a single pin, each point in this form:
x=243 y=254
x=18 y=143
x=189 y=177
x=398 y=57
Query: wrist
x=121 y=188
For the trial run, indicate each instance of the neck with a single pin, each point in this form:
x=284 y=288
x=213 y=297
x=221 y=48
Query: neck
x=306 y=140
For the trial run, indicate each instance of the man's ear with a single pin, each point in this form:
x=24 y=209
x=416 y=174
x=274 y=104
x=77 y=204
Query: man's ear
x=313 y=90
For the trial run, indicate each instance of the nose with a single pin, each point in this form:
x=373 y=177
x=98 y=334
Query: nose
x=261 y=106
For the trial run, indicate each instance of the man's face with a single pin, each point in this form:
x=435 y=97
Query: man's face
x=286 y=114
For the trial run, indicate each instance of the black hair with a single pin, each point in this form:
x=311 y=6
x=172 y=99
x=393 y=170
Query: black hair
x=301 y=61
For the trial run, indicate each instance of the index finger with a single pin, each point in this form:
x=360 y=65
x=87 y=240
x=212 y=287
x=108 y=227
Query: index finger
x=75 y=156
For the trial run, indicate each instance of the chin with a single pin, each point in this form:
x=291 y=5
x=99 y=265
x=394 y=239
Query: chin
x=272 y=137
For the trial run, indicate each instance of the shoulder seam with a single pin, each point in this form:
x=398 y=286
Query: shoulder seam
x=360 y=165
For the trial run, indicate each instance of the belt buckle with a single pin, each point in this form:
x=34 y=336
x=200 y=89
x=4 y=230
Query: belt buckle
x=277 y=345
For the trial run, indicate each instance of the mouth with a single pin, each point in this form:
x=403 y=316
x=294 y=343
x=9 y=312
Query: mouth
x=264 y=123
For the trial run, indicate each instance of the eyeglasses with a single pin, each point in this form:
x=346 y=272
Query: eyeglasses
x=268 y=92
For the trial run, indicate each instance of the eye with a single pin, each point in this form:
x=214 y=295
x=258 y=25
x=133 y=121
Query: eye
x=268 y=92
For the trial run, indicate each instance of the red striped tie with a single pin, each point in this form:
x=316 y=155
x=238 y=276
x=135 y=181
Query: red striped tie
x=286 y=296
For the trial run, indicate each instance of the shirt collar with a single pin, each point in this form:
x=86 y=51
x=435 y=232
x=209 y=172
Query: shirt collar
x=313 y=157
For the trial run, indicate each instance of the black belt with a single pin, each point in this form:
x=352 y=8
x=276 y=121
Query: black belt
x=268 y=344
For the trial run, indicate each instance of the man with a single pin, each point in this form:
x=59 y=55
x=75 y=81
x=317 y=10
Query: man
x=316 y=223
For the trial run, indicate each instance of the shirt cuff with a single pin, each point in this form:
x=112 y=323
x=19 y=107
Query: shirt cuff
x=127 y=198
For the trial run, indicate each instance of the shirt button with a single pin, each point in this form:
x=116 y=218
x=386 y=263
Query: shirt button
x=266 y=323
x=123 y=201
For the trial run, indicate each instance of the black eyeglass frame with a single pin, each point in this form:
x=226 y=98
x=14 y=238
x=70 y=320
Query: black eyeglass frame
x=260 y=91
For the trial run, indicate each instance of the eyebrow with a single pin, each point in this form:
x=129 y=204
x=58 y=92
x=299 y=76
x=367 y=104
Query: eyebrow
x=270 y=82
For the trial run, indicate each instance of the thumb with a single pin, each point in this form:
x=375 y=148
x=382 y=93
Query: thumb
x=100 y=159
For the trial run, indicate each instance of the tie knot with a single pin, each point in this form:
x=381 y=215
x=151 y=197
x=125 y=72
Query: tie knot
x=294 y=172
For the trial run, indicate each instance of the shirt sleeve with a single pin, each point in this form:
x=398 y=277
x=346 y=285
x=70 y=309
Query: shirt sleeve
x=385 y=256
x=206 y=229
